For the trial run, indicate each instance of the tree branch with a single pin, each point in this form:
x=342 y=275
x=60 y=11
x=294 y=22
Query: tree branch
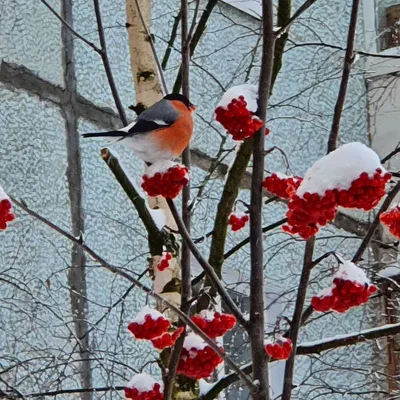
x=256 y=323
x=297 y=317
x=208 y=269
x=348 y=61
x=54 y=12
x=106 y=63
x=155 y=236
x=186 y=277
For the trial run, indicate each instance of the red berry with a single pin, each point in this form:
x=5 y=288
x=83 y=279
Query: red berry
x=283 y=187
x=149 y=324
x=391 y=219
x=280 y=350
x=6 y=216
x=237 y=221
x=238 y=120
x=214 y=324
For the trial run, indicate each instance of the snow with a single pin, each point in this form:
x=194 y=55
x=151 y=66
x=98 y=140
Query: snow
x=239 y=214
x=193 y=341
x=146 y=310
x=349 y=271
x=338 y=169
x=159 y=167
x=142 y=382
x=325 y=292
x=390 y=271
x=249 y=92
x=208 y=315
x=205 y=387
x=3 y=194
x=159 y=217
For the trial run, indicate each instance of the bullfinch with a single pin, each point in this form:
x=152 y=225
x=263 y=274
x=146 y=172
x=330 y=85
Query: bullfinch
x=161 y=132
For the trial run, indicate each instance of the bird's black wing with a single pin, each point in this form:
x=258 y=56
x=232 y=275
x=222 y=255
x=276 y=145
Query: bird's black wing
x=143 y=126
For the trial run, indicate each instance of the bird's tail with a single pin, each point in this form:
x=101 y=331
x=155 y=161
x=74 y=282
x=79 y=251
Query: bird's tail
x=110 y=134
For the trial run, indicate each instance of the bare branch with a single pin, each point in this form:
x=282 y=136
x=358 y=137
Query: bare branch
x=348 y=62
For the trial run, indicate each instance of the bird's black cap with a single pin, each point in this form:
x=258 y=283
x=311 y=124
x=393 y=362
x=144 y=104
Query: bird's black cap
x=181 y=98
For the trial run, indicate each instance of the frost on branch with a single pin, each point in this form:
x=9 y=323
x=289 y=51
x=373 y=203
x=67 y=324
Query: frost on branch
x=351 y=288
x=280 y=350
x=6 y=215
x=351 y=176
x=149 y=324
x=198 y=360
x=391 y=219
x=238 y=221
x=143 y=387
x=236 y=111
x=165 y=178
x=282 y=185
x=214 y=324
x=164 y=261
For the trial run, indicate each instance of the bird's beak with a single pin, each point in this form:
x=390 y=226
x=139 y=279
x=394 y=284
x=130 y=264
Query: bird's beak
x=192 y=107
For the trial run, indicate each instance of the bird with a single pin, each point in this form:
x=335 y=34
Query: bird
x=160 y=133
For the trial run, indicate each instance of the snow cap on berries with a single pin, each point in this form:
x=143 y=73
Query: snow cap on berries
x=149 y=324
x=143 y=387
x=165 y=178
x=339 y=168
x=249 y=93
x=214 y=324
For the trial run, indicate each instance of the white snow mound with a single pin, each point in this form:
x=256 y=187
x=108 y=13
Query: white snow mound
x=338 y=169
x=142 y=382
x=3 y=194
x=249 y=92
x=350 y=272
x=147 y=310
x=194 y=341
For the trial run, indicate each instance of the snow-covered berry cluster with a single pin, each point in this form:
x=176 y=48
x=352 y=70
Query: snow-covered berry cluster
x=6 y=215
x=236 y=111
x=306 y=214
x=392 y=220
x=165 y=179
x=198 y=360
x=351 y=176
x=214 y=324
x=365 y=192
x=351 y=288
x=280 y=350
x=281 y=185
x=237 y=221
x=143 y=387
x=167 y=339
x=164 y=261
x=149 y=324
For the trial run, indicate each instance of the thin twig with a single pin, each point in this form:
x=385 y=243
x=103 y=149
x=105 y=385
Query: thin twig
x=265 y=229
x=186 y=277
x=171 y=40
x=297 y=317
x=106 y=63
x=138 y=284
x=90 y=44
x=348 y=62
x=390 y=155
x=194 y=20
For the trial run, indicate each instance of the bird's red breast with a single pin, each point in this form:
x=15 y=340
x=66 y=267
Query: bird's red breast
x=176 y=137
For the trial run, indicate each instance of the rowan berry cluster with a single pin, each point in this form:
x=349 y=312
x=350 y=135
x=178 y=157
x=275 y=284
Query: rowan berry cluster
x=143 y=387
x=283 y=187
x=164 y=261
x=238 y=120
x=167 y=184
x=280 y=350
x=167 y=339
x=214 y=324
x=237 y=221
x=392 y=220
x=6 y=215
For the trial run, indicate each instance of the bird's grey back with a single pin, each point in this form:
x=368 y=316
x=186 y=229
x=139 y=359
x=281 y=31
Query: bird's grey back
x=161 y=111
